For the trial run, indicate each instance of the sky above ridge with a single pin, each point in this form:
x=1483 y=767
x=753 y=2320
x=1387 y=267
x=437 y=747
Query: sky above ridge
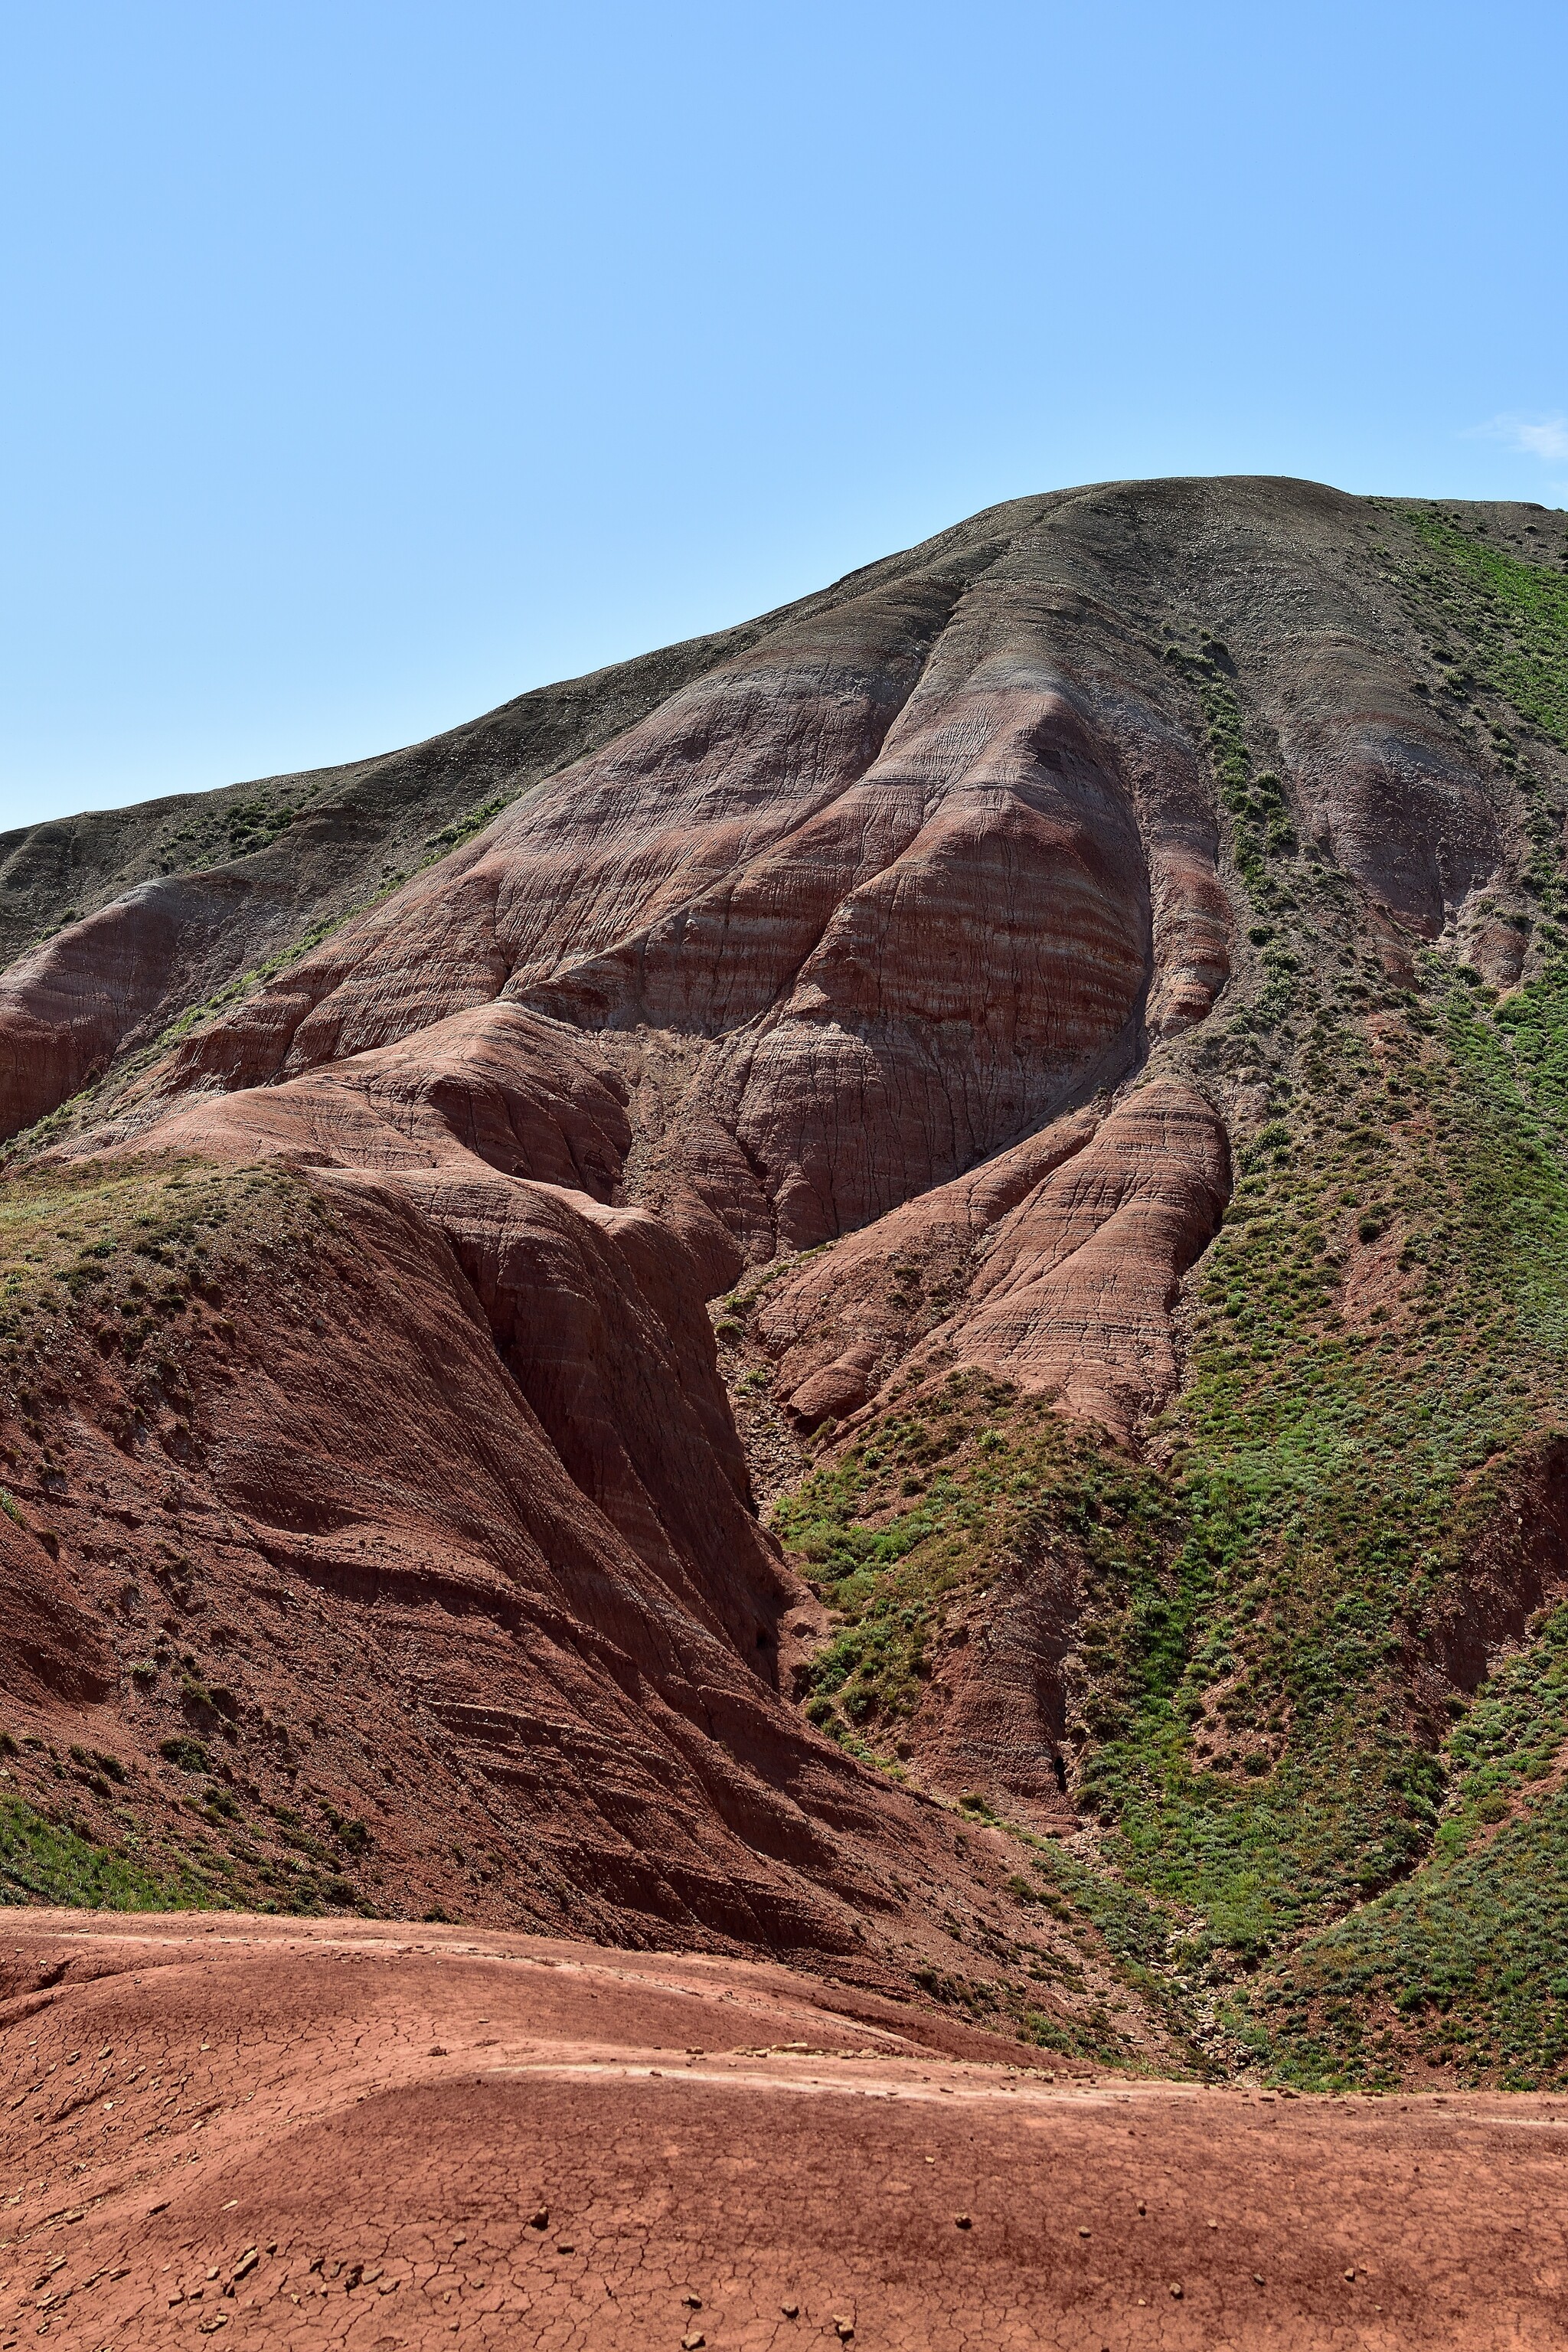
x=364 y=363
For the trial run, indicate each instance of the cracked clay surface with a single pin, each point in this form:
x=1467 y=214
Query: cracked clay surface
x=286 y=2134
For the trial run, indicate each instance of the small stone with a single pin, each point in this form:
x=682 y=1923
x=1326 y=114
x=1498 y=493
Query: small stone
x=564 y=2249
x=1177 y=2290
x=1350 y=2276
x=1142 y=2207
x=540 y=2220
x=437 y=2051
x=694 y=2342
x=692 y=2302
x=1083 y=2232
x=963 y=2222
x=846 y=2328
x=1258 y=2279
x=790 y=2310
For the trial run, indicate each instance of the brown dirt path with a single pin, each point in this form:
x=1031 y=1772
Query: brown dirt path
x=309 y=2134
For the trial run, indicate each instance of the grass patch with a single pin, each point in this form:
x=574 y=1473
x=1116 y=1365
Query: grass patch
x=1461 y=1972
x=49 y=1861
x=1493 y=620
x=1248 y=1609
x=133 y=1251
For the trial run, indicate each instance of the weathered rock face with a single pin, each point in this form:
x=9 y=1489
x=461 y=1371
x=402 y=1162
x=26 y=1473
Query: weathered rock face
x=1061 y=1261
x=882 y=923
x=906 y=871
x=907 y=929
x=281 y=855
x=362 y=1583
x=66 y=1008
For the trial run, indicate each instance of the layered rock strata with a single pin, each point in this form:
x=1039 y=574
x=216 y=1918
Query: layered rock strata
x=885 y=923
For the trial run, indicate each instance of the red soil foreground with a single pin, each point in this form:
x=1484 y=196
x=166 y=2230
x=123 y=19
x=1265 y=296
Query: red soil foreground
x=288 y=2134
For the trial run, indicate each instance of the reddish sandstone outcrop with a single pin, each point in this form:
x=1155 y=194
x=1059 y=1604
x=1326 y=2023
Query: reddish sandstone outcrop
x=597 y=1311
x=906 y=875
x=1059 y=1261
x=66 y=1008
x=404 y=1607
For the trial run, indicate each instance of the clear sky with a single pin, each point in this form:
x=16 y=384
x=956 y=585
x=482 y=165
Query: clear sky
x=366 y=361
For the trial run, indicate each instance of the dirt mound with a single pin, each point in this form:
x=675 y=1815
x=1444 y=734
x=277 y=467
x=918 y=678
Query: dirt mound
x=287 y=2137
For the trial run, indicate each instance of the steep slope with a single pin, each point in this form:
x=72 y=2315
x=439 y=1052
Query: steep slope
x=934 y=970
x=1246 y=1654
x=305 y=1607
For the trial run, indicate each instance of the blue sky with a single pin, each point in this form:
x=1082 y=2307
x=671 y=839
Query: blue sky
x=364 y=364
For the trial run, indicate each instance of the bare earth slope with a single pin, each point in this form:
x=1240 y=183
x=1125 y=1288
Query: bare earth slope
x=1042 y=1068
x=358 y=2135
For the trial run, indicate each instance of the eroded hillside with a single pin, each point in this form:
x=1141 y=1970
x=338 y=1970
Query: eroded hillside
x=910 y=1312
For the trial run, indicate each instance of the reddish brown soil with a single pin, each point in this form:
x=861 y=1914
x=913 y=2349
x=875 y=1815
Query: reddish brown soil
x=1053 y=1265
x=300 y=2136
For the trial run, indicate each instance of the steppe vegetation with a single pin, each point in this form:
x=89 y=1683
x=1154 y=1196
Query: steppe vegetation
x=1375 y=1350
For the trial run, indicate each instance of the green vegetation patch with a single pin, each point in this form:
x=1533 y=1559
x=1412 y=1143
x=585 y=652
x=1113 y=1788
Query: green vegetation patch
x=1377 y=1342
x=944 y=1498
x=1461 y=1972
x=1377 y=1345
x=133 y=1249
x=213 y=836
x=1507 y=620
x=50 y=1861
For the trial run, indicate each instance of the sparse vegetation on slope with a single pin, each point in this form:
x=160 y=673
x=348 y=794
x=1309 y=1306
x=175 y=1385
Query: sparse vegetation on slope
x=1376 y=1345
x=44 y=1861
x=1512 y=617
x=1459 y=1973
x=143 y=1261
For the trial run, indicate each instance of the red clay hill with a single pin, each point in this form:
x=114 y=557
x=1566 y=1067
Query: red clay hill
x=383 y=1519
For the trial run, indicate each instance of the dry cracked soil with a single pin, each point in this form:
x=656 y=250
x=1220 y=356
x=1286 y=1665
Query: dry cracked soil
x=352 y=2133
